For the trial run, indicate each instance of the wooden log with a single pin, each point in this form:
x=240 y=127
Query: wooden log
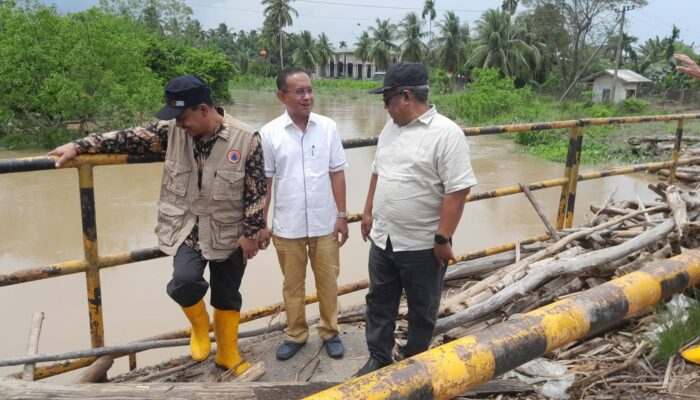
x=96 y=371
x=635 y=141
x=33 y=344
x=16 y=389
x=680 y=175
x=481 y=265
x=537 y=276
x=678 y=210
x=456 y=302
x=550 y=229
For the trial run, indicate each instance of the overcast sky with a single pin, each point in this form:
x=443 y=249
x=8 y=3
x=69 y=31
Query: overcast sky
x=346 y=19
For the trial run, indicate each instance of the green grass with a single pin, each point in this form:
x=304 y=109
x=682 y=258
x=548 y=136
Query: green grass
x=677 y=333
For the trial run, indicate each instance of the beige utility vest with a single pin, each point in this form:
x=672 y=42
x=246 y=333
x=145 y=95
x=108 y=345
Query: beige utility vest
x=219 y=204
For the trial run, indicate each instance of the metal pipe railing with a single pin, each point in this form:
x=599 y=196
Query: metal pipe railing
x=93 y=262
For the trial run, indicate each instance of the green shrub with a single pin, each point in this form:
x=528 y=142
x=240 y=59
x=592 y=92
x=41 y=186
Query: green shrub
x=600 y=110
x=633 y=105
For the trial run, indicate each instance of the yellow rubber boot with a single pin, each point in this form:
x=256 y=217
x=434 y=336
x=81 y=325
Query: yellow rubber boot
x=200 y=345
x=692 y=354
x=226 y=334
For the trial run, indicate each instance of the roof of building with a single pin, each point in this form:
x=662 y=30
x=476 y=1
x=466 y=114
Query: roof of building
x=626 y=75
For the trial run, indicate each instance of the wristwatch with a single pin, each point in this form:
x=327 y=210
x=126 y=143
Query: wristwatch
x=343 y=214
x=439 y=239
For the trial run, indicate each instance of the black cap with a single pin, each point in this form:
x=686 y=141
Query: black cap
x=403 y=74
x=183 y=92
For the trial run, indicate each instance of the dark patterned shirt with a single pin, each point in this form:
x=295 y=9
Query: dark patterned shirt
x=154 y=139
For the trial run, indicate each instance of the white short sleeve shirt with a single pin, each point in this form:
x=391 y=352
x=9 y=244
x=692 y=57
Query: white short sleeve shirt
x=416 y=165
x=300 y=164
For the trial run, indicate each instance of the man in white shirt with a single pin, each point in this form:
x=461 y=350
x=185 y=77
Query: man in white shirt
x=304 y=157
x=420 y=177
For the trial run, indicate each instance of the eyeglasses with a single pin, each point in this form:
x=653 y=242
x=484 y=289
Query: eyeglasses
x=301 y=92
x=387 y=99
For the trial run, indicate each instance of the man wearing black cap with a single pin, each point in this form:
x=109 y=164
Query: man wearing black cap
x=421 y=175
x=210 y=207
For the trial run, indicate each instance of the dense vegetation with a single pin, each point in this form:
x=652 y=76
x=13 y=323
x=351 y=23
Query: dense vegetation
x=103 y=68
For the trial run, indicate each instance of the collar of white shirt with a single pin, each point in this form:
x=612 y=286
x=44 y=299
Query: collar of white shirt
x=288 y=120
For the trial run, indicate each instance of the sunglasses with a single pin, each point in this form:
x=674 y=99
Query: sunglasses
x=387 y=99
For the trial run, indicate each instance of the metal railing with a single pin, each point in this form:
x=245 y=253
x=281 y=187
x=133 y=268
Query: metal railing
x=93 y=262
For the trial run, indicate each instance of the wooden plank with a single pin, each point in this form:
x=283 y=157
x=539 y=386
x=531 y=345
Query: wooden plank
x=16 y=389
x=33 y=345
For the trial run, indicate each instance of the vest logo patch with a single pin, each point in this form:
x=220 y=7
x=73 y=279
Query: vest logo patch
x=234 y=156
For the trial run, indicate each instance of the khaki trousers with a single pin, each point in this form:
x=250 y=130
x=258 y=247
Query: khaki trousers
x=324 y=254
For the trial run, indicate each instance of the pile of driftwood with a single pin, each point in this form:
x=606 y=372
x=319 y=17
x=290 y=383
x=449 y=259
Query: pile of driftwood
x=663 y=146
x=619 y=238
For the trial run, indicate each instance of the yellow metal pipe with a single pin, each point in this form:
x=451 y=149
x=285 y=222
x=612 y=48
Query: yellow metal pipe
x=676 y=151
x=448 y=370
x=92 y=275
x=577 y=136
x=509 y=190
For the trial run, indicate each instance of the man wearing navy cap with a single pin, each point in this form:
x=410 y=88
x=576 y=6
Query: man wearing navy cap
x=421 y=175
x=210 y=208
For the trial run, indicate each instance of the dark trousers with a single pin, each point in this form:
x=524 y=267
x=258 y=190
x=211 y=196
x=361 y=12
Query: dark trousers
x=416 y=272
x=188 y=286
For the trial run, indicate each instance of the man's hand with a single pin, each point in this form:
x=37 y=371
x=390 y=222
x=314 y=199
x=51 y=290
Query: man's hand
x=366 y=226
x=692 y=69
x=264 y=238
x=341 y=227
x=64 y=153
x=248 y=246
x=443 y=254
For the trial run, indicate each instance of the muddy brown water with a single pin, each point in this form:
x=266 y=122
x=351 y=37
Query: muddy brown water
x=40 y=224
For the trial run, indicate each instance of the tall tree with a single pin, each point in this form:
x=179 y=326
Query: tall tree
x=343 y=46
x=362 y=46
x=429 y=11
x=502 y=44
x=170 y=17
x=452 y=42
x=278 y=14
x=587 y=22
x=306 y=52
x=382 y=43
x=324 y=51
x=410 y=29
x=509 y=6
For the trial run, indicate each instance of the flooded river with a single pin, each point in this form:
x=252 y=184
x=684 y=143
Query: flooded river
x=40 y=224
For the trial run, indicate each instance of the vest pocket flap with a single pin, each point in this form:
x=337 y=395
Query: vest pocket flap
x=170 y=210
x=176 y=168
x=230 y=176
x=227 y=218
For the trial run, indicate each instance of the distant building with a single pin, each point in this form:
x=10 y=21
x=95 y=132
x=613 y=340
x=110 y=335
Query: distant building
x=627 y=82
x=346 y=65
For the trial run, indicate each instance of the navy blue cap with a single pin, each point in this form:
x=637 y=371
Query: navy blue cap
x=403 y=74
x=181 y=93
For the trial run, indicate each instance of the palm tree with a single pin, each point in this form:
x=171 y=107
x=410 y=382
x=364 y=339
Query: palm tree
x=278 y=14
x=306 y=53
x=453 y=42
x=382 y=45
x=412 y=48
x=510 y=6
x=325 y=52
x=362 y=46
x=343 y=46
x=502 y=44
x=429 y=10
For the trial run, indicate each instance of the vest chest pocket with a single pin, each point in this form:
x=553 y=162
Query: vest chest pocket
x=170 y=219
x=226 y=228
x=228 y=185
x=176 y=177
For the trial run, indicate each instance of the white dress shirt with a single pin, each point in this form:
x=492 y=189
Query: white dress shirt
x=416 y=165
x=300 y=164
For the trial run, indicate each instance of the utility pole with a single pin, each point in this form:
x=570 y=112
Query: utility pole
x=618 y=53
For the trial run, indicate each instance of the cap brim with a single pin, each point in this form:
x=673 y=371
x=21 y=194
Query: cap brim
x=378 y=90
x=167 y=113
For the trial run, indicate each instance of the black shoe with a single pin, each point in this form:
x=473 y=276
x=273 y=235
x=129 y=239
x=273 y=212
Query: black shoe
x=288 y=349
x=334 y=347
x=371 y=365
